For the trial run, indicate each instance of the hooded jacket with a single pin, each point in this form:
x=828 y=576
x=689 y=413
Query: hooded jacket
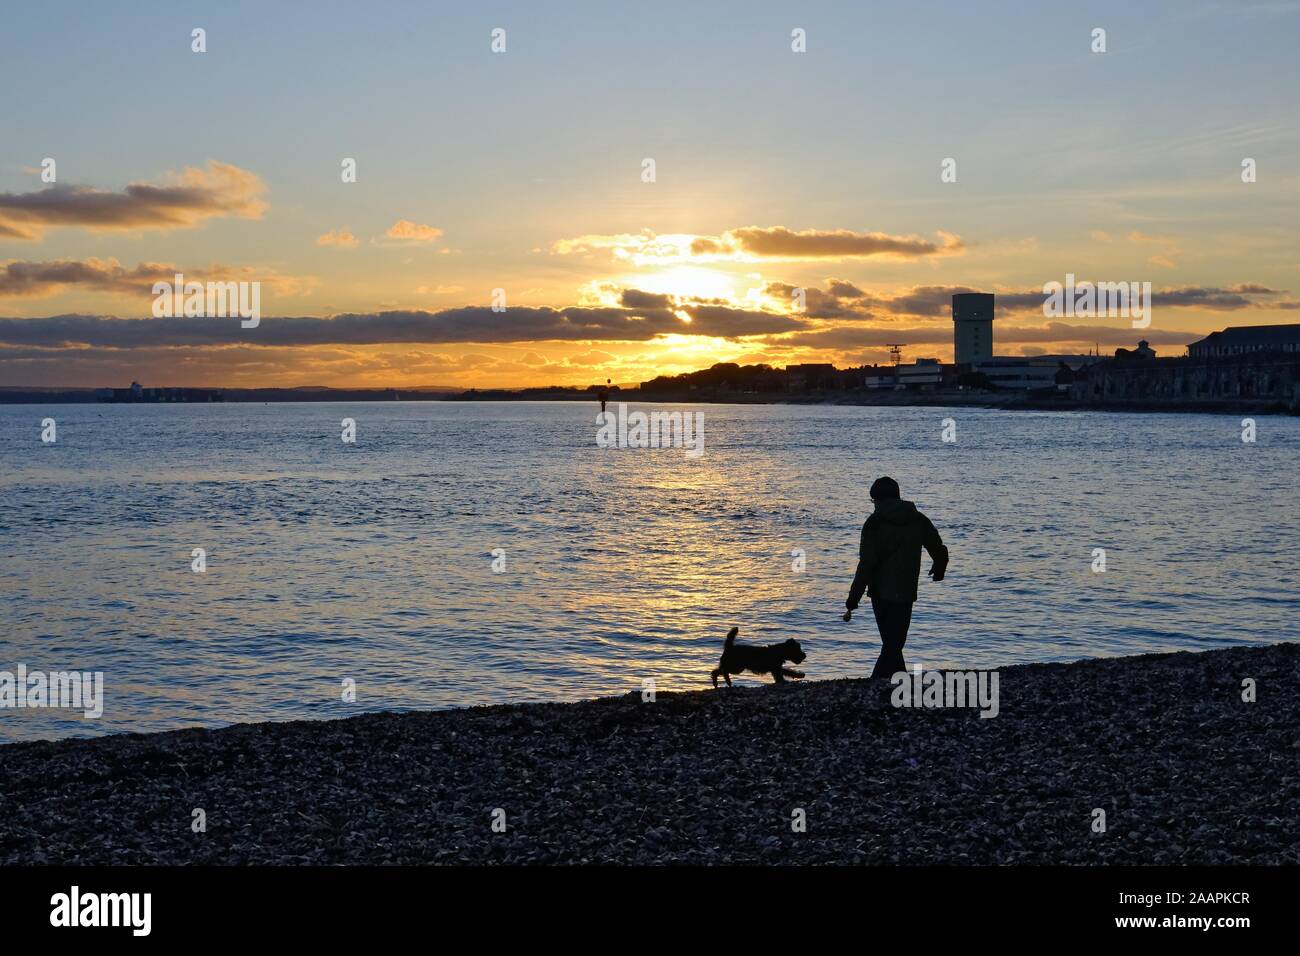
x=889 y=558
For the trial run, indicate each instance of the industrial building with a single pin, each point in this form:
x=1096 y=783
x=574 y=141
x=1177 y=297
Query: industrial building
x=1029 y=371
x=1243 y=339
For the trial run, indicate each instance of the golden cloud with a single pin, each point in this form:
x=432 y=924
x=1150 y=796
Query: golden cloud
x=406 y=231
x=339 y=238
x=183 y=201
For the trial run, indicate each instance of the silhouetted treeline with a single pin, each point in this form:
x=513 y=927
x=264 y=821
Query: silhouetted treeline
x=728 y=375
x=538 y=394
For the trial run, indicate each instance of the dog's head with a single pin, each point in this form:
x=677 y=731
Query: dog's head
x=792 y=652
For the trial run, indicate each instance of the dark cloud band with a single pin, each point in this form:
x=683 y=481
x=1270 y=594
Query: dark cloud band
x=464 y=325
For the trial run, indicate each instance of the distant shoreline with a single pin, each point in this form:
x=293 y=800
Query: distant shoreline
x=1185 y=770
x=1008 y=401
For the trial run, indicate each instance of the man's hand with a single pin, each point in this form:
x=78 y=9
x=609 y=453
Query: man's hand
x=937 y=576
x=848 y=615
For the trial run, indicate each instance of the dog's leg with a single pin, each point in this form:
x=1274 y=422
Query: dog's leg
x=714 y=675
x=778 y=676
x=727 y=677
x=791 y=672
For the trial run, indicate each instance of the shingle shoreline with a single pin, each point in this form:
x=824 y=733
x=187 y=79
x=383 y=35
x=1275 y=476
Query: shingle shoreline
x=1185 y=770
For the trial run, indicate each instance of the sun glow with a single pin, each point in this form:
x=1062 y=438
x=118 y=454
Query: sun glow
x=685 y=353
x=685 y=281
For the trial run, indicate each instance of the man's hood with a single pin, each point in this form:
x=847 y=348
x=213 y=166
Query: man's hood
x=895 y=511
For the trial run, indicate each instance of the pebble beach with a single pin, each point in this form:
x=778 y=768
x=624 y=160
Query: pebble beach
x=815 y=772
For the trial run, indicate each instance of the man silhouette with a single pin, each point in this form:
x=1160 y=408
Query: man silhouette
x=889 y=563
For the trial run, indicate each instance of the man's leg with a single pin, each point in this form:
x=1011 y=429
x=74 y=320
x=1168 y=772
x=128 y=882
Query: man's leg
x=893 y=618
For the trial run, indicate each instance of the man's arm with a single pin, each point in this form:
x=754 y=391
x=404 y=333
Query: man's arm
x=938 y=553
x=866 y=565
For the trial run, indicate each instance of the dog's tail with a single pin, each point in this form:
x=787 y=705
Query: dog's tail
x=731 y=636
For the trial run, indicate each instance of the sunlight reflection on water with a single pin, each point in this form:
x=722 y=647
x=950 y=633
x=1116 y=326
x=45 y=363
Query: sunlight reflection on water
x=373 y=561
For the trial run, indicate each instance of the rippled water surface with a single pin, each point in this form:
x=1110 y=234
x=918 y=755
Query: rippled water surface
x=374 y=561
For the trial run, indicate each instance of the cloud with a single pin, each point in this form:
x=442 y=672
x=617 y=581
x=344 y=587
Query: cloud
x=639 y=248
x=408 y=232
x=817 y=303
x=841 y=289
x=781 y=243
x=935 y=301
x=21 y=278
x=1103 y=334
x=475 y=324
x=932 y=300
x=752 y=243
x=183 y=201
x=853 y=322
x=636 y=299
x=339 y=238
x=1229 y=299
x=34 y=279
x=844 y=300
x=724 y=322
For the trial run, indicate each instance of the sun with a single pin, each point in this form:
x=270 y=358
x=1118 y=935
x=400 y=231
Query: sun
x=691 y=282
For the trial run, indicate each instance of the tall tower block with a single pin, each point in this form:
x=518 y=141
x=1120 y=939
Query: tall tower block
x=972 y=327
